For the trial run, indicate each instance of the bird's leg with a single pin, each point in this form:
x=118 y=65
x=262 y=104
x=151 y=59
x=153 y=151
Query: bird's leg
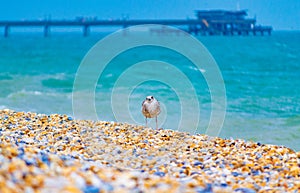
x=156 y=122
x=146 y=122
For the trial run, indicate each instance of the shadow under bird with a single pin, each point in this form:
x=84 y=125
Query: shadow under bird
x=151 y=108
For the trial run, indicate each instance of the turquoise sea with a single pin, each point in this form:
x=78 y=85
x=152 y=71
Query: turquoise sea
x=261 y=76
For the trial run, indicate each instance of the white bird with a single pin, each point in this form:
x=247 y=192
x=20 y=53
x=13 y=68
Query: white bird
x=151 y=108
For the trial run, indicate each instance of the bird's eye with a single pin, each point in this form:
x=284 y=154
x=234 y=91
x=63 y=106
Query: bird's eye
x=151 y=97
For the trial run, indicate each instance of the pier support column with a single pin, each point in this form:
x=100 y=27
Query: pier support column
x=125 y=30
x=46 y=31
x=86 y=30
x=262 y=32
x=6 y=31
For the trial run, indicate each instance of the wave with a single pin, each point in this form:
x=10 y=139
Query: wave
x=66 y=84
x=5 y=77
x=3 y=107
x=24 y=93
x=197 y=69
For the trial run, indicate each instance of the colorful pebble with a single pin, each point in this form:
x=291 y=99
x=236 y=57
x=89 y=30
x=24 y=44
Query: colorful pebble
x=55 y=153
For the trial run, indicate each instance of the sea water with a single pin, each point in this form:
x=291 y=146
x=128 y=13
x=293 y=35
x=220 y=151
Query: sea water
x=261 y=77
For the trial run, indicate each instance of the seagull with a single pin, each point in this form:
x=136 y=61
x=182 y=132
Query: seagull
x=150 y=108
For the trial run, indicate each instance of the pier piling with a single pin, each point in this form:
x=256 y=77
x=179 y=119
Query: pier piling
x=86 y=30
x=46 y=31
x=6 y=31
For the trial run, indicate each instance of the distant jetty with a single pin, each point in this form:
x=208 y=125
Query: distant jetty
x=208 y=22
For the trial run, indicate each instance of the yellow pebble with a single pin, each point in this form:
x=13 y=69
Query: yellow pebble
x=295 y=171
x=5 y=190
x=70 y=189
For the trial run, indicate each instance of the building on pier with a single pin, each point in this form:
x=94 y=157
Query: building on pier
x=223 y=22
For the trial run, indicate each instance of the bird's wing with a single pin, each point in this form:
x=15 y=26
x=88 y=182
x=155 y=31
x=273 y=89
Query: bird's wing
x=145 y=111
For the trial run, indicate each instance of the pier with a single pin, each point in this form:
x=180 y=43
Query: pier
x=86 y=25
x=214 y=22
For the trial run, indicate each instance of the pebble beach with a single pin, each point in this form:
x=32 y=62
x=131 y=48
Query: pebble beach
x=55 y=153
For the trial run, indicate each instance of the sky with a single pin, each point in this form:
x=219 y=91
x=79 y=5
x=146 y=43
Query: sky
x=281 y=14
